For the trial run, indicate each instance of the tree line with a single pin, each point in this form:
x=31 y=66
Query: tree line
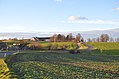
x=78 y=38
x=103 y=38
x=68 y=38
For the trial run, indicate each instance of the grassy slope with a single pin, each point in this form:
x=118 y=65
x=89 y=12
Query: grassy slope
x=64 y=66
x=4 y=71
x=105 y=48
x=58 y=43
x=105 y=45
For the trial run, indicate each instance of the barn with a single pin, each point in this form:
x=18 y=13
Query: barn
x=40 y=39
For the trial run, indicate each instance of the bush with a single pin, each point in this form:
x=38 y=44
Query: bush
x=72 y=47
x=74 y=51
x=34 y=46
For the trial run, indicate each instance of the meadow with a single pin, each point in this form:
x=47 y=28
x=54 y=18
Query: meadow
x=105 y=45
x=105 y=48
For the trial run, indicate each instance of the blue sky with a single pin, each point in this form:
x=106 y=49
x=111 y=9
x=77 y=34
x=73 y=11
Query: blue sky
x=58 y=15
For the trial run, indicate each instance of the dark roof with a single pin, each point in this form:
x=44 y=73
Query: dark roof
x=42 y=37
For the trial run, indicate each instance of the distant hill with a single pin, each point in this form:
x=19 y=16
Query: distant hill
x=93 y=34
x=85 y=34
x=22 y=35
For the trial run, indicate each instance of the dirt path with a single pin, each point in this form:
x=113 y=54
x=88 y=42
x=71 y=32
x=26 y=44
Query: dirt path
x=89 y=48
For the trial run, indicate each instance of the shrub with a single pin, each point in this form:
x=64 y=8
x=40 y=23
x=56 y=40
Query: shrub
x=74 y=51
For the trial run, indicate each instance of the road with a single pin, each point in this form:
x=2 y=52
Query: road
x=4 y=54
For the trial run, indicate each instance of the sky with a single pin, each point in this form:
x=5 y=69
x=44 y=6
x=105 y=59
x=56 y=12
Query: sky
x=58 y=15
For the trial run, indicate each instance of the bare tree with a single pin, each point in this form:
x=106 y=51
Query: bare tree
x=63 y=38
x=78 y=38
x=69 y=37
x=104 y=38
x=57 y=38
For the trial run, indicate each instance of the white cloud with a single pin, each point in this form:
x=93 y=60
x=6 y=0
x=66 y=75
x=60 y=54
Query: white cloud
x=84 y=20
x=117 y=8
x=94 y=22
x=59 y=0
x=73 y=18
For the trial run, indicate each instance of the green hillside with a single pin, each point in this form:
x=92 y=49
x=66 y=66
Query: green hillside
x=105 y=45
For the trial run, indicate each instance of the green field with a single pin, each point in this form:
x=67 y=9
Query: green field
x=105 y=45
x=105 y=48
x=44 y=65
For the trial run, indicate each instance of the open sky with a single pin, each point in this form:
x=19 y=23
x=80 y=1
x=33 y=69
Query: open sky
x=58 y=15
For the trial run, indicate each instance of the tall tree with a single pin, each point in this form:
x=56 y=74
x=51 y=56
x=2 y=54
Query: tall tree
x=57 y=38
x=104 y=38
x=69 y=37
x=78 y=38
x=53 y=38
x=63 y=38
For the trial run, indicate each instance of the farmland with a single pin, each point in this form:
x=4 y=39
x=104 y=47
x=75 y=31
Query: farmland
x=46 y=65
x=102 y=63
x=59 y=39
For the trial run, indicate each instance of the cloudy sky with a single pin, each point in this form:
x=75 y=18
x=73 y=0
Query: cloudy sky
x=58 y=15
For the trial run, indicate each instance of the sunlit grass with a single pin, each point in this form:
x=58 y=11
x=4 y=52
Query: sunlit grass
x=4 y=71
x=105 y=45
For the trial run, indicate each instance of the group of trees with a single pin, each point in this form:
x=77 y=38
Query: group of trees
x=78 y=38
x=103 y=38
x=67 y=38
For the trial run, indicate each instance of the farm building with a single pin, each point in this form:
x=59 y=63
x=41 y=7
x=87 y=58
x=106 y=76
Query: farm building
x=40 y=39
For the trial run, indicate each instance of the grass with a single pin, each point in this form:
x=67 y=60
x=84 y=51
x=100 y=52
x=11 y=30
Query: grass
x=4 y=71
x=58 y=43
x=105 y=45
x=105 y=48
x=54 y=45
x=106 y=52
x=45 y=65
